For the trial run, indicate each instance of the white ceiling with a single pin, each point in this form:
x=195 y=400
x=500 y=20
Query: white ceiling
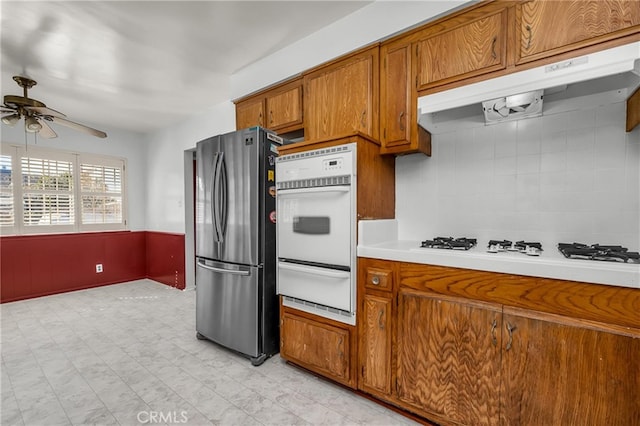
x=144 y=65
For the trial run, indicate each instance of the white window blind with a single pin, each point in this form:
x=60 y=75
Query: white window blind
x=47 y=192
x=101 y=192
x=6 y=192
x=54 y=191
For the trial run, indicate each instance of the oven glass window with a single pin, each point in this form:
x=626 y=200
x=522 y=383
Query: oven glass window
x=314 y=225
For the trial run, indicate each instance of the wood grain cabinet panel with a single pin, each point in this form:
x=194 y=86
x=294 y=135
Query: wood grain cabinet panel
x=448 y=357
x=395 y=95
x=558 y=372
x=550 y=27
x=471 y=347
x=342 y=97
x=322 y=346
x=284 y=107
x=378 y=279
x=474 y=48
x=278 y=108
x=375 y=349
x=250 y=113
x=399 y=129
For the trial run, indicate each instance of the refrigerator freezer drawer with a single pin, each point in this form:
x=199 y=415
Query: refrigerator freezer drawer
x=227 y=310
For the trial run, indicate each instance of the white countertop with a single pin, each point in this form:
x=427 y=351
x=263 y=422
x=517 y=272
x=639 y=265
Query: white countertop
x=378 y=239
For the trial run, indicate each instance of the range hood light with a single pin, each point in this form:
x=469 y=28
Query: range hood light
x=514 y=107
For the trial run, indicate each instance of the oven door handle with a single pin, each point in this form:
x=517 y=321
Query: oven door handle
x=329 y=273
x=314 y=189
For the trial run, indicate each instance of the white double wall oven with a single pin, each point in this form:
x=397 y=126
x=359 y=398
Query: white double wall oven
x=316 y=230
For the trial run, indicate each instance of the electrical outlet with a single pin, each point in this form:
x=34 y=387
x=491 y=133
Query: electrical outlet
x=98 y=268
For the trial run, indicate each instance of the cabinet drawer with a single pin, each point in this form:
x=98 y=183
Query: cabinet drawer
x=379 y=279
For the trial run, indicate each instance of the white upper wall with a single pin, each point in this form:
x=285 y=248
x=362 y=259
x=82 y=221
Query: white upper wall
x=165 y=174
x=165 y=164
x=372 y=23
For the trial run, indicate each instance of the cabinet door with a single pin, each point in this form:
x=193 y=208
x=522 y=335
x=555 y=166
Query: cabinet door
x=551 y=27
x=342 y=98
x=375 y=350
x=395 y=95
x=448 y=361
x=317 y=346
x=474 y=48
x=250 y=113
x=399 y=129
x=557 y=372
x=284 y=107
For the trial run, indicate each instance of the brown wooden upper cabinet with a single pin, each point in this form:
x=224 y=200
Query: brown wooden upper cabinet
x=342 y=96
x=473 y=48
x=399 y=130
x=546 y=28
x=250 y=113
x=279 y=108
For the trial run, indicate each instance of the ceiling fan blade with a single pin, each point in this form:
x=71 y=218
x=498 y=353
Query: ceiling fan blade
x=46 y=131
x=77 y=126
x=46 y=111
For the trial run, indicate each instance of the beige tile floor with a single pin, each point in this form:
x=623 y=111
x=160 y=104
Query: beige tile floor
x=127 y=354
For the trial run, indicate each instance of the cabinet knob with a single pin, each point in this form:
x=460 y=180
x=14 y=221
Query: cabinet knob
x=375 y=280
x=528 y=28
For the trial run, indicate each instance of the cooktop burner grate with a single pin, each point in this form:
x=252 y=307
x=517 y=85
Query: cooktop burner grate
x=450 y=243
x=598 y=252
x=526 y=247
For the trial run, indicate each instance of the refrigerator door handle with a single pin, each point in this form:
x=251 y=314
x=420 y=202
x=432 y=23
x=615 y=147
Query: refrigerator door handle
x=218 y=197
x=223 y=270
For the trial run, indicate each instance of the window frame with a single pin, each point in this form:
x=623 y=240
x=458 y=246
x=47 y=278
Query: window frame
x=77 y=159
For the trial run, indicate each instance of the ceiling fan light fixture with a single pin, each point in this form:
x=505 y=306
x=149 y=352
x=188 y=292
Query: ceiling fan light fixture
x=32 y=125
x=11 y=119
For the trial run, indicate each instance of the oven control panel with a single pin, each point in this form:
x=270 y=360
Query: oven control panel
x=316 y=164
x=332 y=164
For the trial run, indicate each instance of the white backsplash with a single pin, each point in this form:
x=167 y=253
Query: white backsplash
x=572 y=176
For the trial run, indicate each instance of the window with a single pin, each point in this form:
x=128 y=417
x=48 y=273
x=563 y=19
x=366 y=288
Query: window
x=47 y=191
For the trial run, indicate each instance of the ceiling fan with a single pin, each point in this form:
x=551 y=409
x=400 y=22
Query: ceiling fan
x=37 y=115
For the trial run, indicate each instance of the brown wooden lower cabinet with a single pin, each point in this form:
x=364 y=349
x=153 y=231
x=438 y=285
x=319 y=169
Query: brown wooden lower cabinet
x=448 y=357
x=375 y=345
x=557 y=371
x=467 y=348
x=318 y=344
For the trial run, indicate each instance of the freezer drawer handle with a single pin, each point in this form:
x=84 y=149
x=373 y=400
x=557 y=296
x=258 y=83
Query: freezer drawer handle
x=314 y=271
x=224 y=271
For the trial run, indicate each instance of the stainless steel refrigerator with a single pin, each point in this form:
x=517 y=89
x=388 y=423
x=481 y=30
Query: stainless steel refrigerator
x=236 y=302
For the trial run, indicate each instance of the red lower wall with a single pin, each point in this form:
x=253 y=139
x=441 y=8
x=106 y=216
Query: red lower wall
x=165 y=258
x=39 y=265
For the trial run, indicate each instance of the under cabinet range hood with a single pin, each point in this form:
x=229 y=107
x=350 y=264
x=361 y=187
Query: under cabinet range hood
x=521 y=94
